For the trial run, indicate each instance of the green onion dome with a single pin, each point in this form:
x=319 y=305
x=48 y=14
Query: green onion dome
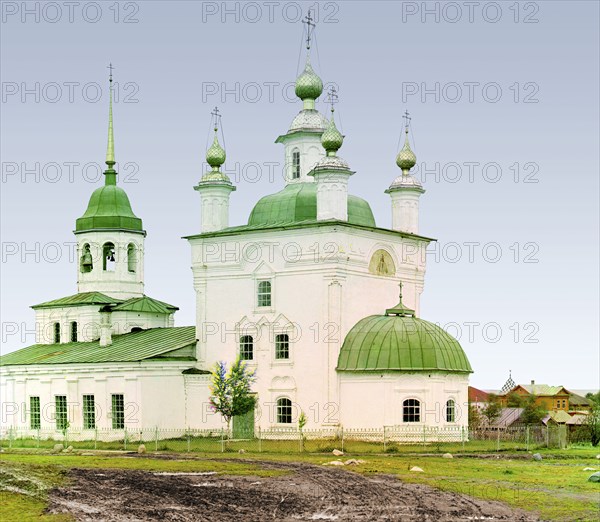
x=215 y=155
x=308 y=84
x=332 y=138
x=406 y=158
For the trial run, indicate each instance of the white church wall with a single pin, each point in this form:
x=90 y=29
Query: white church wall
x=86 y=317
x=122 y=280
x=375 y=397
x=321 y=284
x=153 y=393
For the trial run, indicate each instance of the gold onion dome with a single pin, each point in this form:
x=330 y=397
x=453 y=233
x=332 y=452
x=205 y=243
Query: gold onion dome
x=406 y=158
x=332 y=138
x=308 y=84
x=215 y=155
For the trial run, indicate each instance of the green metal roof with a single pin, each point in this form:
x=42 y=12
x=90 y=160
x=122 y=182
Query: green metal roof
x=309 y=223
x=144 y=304
x=398 y=343
x=82 y=299
x=544 y=389
x=173 y=343
x=109 y=207
x=297 y=202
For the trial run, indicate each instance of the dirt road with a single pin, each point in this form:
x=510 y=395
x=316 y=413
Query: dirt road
x=307 y=492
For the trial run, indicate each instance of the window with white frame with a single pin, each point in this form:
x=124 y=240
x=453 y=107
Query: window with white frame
x=264 y=293
x=295 y=164
x=118 y=411
x=284 y=410
x=411 y=410
x=450 y=410
x=89 y=412
x=282 y=346
x=73 y=331
x=246 y=348
x=56 y=333
x=61 y=417
x=35 y=418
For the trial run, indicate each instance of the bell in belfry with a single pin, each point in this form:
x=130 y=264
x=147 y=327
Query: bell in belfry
x=86 y=260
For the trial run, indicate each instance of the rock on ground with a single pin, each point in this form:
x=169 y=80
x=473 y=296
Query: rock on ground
x=337 y=452
x=58 y=447
x=537 y=456
x=141 y=448
x=416 y=468
x=448 y=456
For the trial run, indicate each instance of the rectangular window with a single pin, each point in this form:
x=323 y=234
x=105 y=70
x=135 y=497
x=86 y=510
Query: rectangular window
x=61 y=417
x=295 y=164
x=246 y=348
x=264 y=293
x=282 y=346
x=74 y=331
x=35 y=419
x=56 y=333
x=118 y=412
x=89 y=412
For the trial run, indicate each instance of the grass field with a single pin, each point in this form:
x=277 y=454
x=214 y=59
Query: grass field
x=555 y=487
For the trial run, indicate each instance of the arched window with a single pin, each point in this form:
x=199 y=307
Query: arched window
x=450 y=411
x=284 y=411
x=295 y=164
x=57 y=333
x=108 y=257
x=87 y=263
x=246 y=348
x=282 y=346
x=411 y=410
x=131 y=258
x=264 y=293
x=73 y=331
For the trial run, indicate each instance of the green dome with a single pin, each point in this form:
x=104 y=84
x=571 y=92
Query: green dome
x=406 y=158
x=382 y=343
x=298 y=202
x=308 y=84
x=215 y=155
x=109 y=207
x=332 y=138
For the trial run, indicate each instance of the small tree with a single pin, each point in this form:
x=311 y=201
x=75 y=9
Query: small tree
x=514 y=400
x=493 y=408
x=231 y=393
x=474 y=417
x=532 y=413
x=592 y=421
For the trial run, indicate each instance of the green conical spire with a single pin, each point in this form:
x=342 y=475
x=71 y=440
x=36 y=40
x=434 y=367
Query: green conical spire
x=110 y=174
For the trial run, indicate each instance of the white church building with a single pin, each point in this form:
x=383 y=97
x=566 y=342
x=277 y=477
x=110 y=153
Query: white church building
x=306 y=292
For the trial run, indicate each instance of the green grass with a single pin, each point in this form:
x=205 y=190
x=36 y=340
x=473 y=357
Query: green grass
x=556 y=488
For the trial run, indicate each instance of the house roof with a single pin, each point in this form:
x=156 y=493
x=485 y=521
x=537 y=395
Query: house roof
x=177 y=343
x=578 y=400
x=144 y=304
x=558 y=416
x=541 y=389
x=508 y=416
x=477 y=395
x=135 y=304
x=81 y=299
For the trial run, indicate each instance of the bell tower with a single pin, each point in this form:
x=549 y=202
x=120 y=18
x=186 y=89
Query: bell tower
x=110 y=237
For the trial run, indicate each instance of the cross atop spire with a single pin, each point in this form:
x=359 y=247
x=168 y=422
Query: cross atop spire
x=407 y=119
x=110 y=68
x=310 y=26
x=110 y=149
x=332 y=96
x=217 y=116
x=400 y=309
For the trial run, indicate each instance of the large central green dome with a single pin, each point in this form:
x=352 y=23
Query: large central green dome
x=383 y=343
x=109 y=207
x=297 y=202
